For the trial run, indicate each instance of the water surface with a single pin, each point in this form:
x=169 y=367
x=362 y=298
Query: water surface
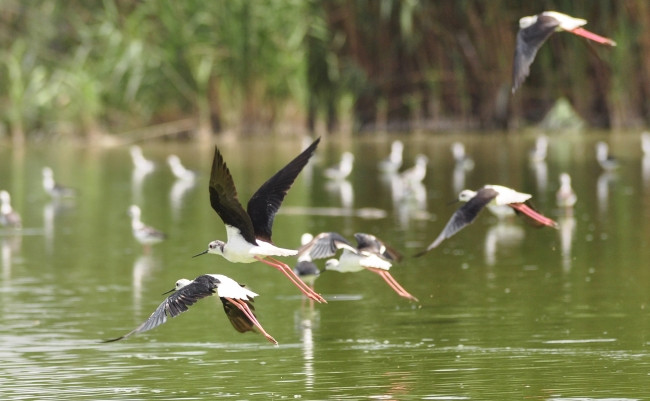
x=507 y=311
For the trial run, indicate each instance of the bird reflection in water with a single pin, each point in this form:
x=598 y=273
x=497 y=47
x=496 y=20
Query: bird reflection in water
x=343 y=189
x=177 y=195
x=143 y=268
x=9 y=248
x=566 y=198
x=505 y=234
x=306 y=321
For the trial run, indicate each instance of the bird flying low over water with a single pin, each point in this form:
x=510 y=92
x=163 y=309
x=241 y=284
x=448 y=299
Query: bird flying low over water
x=371 y=254
x=237 y=303
x=487 y=196
x=249 y=231
x=533 y=32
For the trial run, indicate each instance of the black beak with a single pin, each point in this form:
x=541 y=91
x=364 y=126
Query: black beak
x=172 y=290
x=202 y=253
x=452 y=202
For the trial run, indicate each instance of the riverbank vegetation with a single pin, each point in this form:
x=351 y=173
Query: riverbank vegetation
x=93 y=69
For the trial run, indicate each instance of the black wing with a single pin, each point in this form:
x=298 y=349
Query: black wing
x=239 y=320
x=175 y=304
x=325 y=245
x=306 y=268
x=267 y=200
x=463 y=216
x=529 y=40
x=223 y=198
x=371 y=244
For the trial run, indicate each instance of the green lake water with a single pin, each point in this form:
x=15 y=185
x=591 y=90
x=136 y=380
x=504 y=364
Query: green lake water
x=507 y=311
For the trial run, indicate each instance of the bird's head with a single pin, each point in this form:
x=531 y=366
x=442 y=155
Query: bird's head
x=465 y=195
x=179 y=284
x=332 y=264
x=214 y=247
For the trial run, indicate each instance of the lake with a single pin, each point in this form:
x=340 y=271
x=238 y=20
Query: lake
x=506 y=311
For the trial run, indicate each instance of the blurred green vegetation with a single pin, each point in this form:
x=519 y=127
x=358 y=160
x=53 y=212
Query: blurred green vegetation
x=91 y=68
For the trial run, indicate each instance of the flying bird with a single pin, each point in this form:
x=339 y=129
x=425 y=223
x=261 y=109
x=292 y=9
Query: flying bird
x=533 y=32
x=237 y=303
x=249 y=231
x=489 y=195
x=370 y=253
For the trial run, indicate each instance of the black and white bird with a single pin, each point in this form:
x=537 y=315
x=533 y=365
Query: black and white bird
x=393 y=162
x=565 y=196
x=489 y=195
x=538 y=153
x=8 y=216
x=142 y=165
x=370 y=254
x=54 y=189
x=415 y=174
x=604 y=158
x=237 y=303
x=249 y=231
x=143 y=233
x=180 y=171
x=342 y=170
x=533 y=32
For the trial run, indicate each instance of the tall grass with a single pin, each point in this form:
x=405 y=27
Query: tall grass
x=92 y=68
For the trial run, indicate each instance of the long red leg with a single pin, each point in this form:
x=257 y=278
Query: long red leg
x=590 y=35
x=249 y=314
x=286 y=270
x=525 y=209
x=388 y=278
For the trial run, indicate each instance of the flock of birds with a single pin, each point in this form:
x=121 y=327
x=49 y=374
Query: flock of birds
x=248 y=231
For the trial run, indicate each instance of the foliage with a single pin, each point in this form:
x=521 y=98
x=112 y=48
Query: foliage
x=89 y=67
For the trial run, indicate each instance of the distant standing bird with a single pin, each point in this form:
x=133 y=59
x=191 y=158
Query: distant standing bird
x=8 y=216
x=606 y=161
x=416 y=173
x=533 y=32
x=179 y=170
x=645 y=143
x=142 y=166
x=342 y=170
x=566 y=196
x=54 y=189
x=143 y=233
x=393 y=162
x=477 y=200
x=538 y=153
x=249 y=231
x=237 y=303
x=461 y=159
x=370 y=254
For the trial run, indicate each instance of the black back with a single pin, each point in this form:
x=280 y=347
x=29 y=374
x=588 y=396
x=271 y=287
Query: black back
x=529 y=40
x=223 y=198
x=464 y=216
x=177 y=303
x=325 y=245
x=266 y=201
x=370 y=244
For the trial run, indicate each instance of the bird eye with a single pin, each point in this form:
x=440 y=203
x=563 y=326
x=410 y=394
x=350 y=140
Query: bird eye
x=212 y=246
